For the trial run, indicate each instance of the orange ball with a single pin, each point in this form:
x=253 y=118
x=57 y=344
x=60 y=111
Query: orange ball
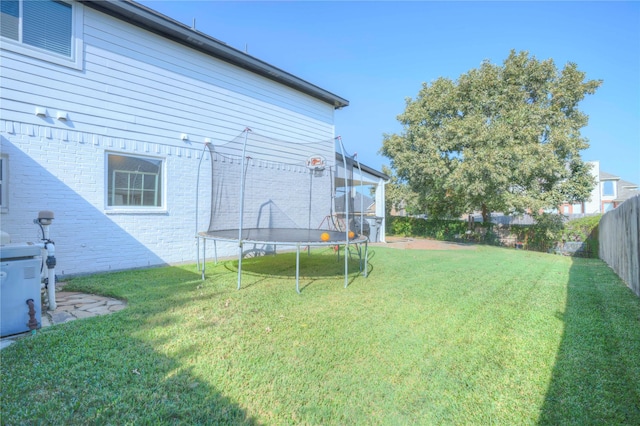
x=324 y=236
x=351 y=234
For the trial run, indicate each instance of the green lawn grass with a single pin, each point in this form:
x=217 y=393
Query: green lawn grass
x=486 y=336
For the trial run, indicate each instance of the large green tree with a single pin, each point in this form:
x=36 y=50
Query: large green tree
x=499 y=138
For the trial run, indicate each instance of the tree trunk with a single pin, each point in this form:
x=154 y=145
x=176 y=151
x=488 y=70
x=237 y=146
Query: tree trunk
x=486 y=216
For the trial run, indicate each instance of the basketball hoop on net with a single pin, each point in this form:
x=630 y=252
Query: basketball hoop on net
x=316 y=163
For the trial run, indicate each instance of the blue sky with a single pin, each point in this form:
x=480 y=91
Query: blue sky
x=377 y=54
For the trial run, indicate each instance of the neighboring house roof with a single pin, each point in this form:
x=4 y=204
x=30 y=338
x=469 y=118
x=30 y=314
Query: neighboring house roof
x=143 y=17
x=608 y=176
x=626 y=190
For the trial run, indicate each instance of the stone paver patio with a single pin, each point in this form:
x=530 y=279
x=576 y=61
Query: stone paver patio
x=72 y=306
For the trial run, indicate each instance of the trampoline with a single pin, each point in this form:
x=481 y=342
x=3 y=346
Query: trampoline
x=260 y=204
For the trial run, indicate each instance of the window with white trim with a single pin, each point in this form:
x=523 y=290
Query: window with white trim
x=134 y=182
x=46 y=29
x=4 y=172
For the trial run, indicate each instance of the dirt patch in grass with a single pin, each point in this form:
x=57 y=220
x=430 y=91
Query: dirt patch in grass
x=412 y=243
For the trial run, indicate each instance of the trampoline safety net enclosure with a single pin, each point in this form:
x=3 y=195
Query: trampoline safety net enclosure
x=267 y=193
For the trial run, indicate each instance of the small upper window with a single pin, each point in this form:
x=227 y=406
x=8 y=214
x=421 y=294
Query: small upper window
x=134 y=181
x=608 y=188
x=45 y=26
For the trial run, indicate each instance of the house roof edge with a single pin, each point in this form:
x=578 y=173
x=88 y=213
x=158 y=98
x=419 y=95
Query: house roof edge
x=365 y=168
x=151 y=20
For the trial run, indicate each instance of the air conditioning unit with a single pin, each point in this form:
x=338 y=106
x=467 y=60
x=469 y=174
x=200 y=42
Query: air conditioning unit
x=19 y=284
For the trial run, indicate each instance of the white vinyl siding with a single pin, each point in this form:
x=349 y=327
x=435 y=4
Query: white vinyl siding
x=195 y=94
x=143 y=87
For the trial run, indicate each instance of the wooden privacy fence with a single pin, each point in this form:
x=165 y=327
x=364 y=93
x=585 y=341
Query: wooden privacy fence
x=620 y=241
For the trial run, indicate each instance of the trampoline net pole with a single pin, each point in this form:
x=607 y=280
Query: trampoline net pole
x=243 y=177
x=206 y=145
x=361 y=196
x=245 y=162
x=347 y=195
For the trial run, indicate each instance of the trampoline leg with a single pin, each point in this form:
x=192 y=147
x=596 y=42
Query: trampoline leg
x=239 y=265
x=366 y=258
x=359 y=250
x=298 y=268
x=346 y=265
x=197 y=253
x=215 y=251
x=204 y=256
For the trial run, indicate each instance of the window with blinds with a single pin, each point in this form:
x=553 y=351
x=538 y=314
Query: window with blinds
x=43 y=24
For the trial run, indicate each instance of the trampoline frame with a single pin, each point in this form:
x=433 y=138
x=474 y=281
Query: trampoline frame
x=358 y=241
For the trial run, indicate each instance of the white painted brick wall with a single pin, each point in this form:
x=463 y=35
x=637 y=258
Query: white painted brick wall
x=68 y=178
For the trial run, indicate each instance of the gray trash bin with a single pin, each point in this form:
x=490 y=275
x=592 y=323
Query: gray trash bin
x=375 y=223
x=19 y=283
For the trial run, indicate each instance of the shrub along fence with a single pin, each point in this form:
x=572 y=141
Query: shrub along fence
x=579 y=237
x=550 y=233
x=620 y=241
